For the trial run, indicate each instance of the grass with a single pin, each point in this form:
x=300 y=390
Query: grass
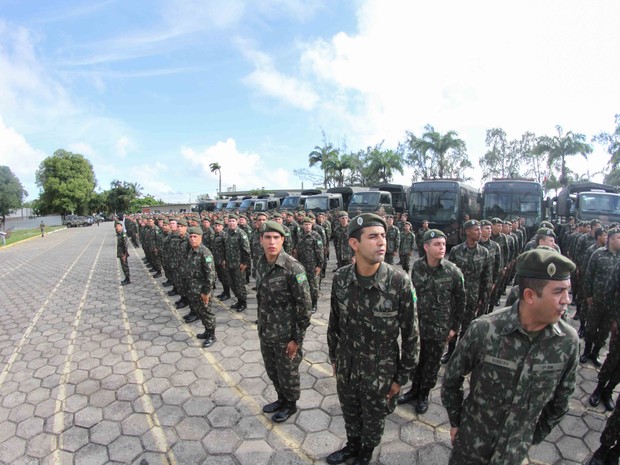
x=23 y=234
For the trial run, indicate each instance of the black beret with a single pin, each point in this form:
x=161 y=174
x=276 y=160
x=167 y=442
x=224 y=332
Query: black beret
x=432 y=234
x=272 y=226
x=365 y=220
x=544 y=264
x=195 y=230
x=470 y=224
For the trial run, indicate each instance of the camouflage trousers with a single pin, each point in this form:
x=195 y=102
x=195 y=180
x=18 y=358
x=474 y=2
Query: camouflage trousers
x=124 y=266
x=237 y=283
x=405 y=261
x=282 y=371
x=314 y=282
x=424 y=375
x=179 y=281
x=364 y=408
x=390 y=258
x=204 y=312
x=610 y=371
x=598 y=324
x=611 y=434
x=468 y=316
x=222 y=275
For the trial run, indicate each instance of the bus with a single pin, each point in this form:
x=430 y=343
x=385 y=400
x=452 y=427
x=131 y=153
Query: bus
x=446 y=204
x=513 y=198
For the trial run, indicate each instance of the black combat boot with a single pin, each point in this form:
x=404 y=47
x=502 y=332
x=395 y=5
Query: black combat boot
x=595 y=398
x=190 y=317
x=181 y=303
x=157 y=275
x=210 y=339
x=274 y=406
x=600 y=456
x=446 y=357
x=125 y=281
x=422 y=405
x=172 y=292
x=167 y=283
x=350 y=450
x=242 y=306
x=606 y=397
x=364 y=456
x=313 y=308
x=409 y=396
x=235 y=306
x=586 y=353
x=289 y=409
x=594 y=357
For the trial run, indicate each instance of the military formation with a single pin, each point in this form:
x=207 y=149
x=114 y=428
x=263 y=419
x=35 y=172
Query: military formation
x=399 y=299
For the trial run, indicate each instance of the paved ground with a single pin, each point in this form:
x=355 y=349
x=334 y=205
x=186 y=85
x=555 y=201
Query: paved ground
x=96 y=373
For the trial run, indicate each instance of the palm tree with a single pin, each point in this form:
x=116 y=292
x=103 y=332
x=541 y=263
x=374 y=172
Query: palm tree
x=557 y=148
x=337 y=165
x=383 y=164
x=322 y=156
x=216 y=167
x=430 y=152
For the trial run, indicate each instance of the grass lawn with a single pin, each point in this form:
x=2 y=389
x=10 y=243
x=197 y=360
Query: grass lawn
x=21 y=234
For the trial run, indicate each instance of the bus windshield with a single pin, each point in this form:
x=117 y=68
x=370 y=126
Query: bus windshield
x=510 y=205
x=290 y=203
x=435 y=206
x=364 y=198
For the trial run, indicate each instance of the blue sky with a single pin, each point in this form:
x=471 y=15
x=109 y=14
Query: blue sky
x=154 y=91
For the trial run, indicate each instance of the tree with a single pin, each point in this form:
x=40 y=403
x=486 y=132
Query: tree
x=322 y=156
x=216 y=167
x=336 y=166
x=503 y=158
x=122 y=194
x=612 y=141
x=147 y=201
x=435 y=155
x=380 y=165
x=12 y=192
x=557 y=148
x=67 y=181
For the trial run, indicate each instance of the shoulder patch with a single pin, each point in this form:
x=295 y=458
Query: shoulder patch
x=209 y=259
x=301 y=277
x=414 y=295
x=320 y=242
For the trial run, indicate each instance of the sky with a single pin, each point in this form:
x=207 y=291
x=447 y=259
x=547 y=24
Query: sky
x=154 y=91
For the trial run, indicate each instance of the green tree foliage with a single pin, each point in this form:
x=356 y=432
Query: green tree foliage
x=67 y=182
x=503 y=159
x=322 y=156
x=99 y=203
x=558 y=147
x=435 y=155
x=612 y=143
x=380 y=165
x=217 y=167
x=12 y=192
x=146 y=201
x=122 y=195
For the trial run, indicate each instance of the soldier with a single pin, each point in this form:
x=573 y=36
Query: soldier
x=288 y=240
x=609 y=452
x=600 y=237
x=310 y=253
x=201 y=278
x=440 y=289
x=419 y=238
x=495 y=253
x=324 y=223
x=344 y=252
x=219 y=258
x=122 y=250
x=295 y=230
x=523 y=362
x=207 y=233
x=284 y=306
x=600 y=268
x=179 y=245
x=372 y=304
x=475 y=264
x=407 y=246
x=166 y=236
x=237 y=262
x=256 y=248
x=393 y=240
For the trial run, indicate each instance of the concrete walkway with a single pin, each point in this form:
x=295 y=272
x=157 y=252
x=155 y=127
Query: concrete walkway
x=94 y=373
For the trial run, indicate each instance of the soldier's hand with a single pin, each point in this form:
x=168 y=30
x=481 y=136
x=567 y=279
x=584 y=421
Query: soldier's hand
x=317 y=271
x=394 y=390
x=205 y=298
x=451 y=335
x=291 y=349
x=333 y=369
x=453 y=432
x=242 y=267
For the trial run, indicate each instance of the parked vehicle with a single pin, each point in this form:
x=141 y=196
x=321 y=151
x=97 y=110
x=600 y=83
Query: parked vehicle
x=400 y=195
x=586 y=201
x=371 y=201
x=298 y=201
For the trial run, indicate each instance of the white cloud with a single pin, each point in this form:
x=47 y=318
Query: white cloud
x=123 y=146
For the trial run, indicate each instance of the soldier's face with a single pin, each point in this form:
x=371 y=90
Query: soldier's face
x=486 y=231
x=195 y=240
x=344 y=221
x=219 y=227
x=436 y=248
x=370 y=249
x=614 y=242
x=260 y=221
x=496 y=228
x=272 y=244
x=602 y=239
x=474 y=233
x=182 y=230
x=119 y=228
x=173 y=226
x=546 y=240
x=307 y=227
x=553 y=302
x=232 y=224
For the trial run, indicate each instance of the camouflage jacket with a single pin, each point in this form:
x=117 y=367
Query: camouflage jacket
x=600 y=268
x=407 y=243
x=255 y=246
x=503 y=245
x=219 y=248
x=327 y=227
x=583 y=243
x=295 y=229
x=237 y=248
x=207 y=238
x=121 y=244
x=288 y=239
x=612 y=292
x=341 y=243
x=441 y=298
x=495 y=252
x=365 y=323
x=519 y=388
x=178 y=250
x=392 y=239
x=166 y=249
x=310 y=250
x=284 y=302
x=199 y=270
x=475 y=264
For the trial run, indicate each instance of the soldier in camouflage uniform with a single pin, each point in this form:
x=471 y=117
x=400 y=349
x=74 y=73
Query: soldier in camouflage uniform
x=475 y=263
x=419 y=238
x=284 y=306
x=600 y=268
x=372 y=304
x=440 y=289
x=219 y=257
x=179 y=244
x=122 y=251
x=523 y=362
x=293 y=226
x=166 y=236
x=324 y=223
x=237 y=262
x=609 y=452
x=207 y=233
x=407 y=246
x=393 y=240
x=498 y=236
x=310 y=253
x=600 y=240
x=288 y=239
x=200 y=281
x=344 y=252
x=495 y=253
x=255 y=246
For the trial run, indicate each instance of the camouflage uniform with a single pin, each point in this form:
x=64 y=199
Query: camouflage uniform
x=237 y=253
x=495 y=252
x=344 y=252
x=441 y=303
x=219 y=258
x=327 y=228
x=406 y=248
x=178 y=249
x=284 y=308
x=310 y=254
x=598 y=324
x=367 y=316
x=392 y=238
x=122 y=252
x=583 y=265
x=519 y=389
x=200 y=280
x=207 y=237
x=610 y=437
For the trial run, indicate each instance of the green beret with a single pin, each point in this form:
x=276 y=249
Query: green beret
x=195 y=230
x=546 y=232
x=218 y=222
x=470 y=224
x=365 y=220
x=272 y=226
x=408 y=223
x=261 y=214
x=544 y=264
x=206 y=218
x=546 y=224
x=310 y=215
x=496 y=220
x=343 y=214
x=613 y=231
x=432 y=234
x=166 y=221
x=117 y=222
x=307 y=219
x=276 y=215
x=182 y=222
x=232 y=216
x=594 y=222
x=485 y=223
